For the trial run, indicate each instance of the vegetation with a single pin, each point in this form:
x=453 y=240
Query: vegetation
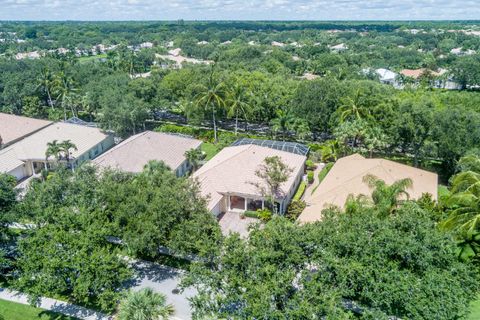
x=16 y=311
x=144 y=305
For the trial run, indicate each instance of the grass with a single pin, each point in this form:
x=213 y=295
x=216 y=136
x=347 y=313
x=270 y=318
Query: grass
x=16 y=311
x=474 y=310
x=210 y=150
x=91 y=58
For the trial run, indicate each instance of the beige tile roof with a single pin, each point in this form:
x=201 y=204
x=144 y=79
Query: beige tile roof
x=232 y=170
x=134 y=153
x=14 y=127
x=346 y=177
x=33 y=147
x=417 y=73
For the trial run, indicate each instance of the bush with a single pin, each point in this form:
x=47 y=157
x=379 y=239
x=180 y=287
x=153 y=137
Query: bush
x=323 y=173
x=251 y=214
x=310 y=165
x=295 y=208
x=264 y=215
x=300 y=191
x=310 y=177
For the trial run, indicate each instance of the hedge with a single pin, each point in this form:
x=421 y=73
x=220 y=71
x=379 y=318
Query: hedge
x=300 y=191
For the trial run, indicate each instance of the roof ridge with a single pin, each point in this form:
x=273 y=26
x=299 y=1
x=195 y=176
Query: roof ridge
x=124 y=142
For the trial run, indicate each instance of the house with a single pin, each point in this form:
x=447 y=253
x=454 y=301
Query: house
x=27 y=156
x=440 y=78
x=346 y=178
x=132 y=154
x=146 y=45
x=226 y=43
x=309 y=76
x=14 y=128
x=278 y=44
x=28 y=55
x=202 y=43
x=339 y=47
x=229 y=181
x=175 y=52
x=386 y=76
x=461 y=52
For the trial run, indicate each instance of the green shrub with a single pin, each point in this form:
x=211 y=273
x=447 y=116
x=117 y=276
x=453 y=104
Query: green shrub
x=300 y=191
x=251 y=214
x=310 y=177
x=310 y=165
x=264 y=214
x=295 y=208
x=323 y=173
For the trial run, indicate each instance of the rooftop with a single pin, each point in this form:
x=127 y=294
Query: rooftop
x=232 y=170
x=132 y=154
x=13 y=128
x=346 y=178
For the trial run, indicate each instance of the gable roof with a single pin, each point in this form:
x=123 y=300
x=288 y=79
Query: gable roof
x=14 y=128
x=132 y=154
x=232 y=170
x=34 y=146
x=346 y=177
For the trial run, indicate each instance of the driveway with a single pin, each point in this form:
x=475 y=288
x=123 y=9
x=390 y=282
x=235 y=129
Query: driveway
x=163 y=279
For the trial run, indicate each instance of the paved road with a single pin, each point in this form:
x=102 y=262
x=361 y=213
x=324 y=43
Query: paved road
x=163 y=279
x=54 y=305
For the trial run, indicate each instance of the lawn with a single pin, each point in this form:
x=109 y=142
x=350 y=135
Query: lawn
x=91 y=58
x=16 y=311
x=210 y=150
x=474 y=310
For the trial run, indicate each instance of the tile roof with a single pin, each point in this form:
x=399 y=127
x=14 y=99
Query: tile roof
x=135 y=152
x=346 y=177
x=232 y=170
x=13 y=128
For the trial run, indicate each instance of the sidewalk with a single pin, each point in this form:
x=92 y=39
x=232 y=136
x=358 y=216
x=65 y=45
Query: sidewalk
x=308 y=192
x=54 y=305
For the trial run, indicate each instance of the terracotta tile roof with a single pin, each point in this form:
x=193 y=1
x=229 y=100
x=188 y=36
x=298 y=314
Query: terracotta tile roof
x=346 y=177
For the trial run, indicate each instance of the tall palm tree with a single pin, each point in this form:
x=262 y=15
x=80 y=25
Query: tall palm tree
x=330 y=150
x=388 y=197
x=65 y=147
x=353 y=107
x=45 y=83
x=53 y=150
x=145 y=305
x=65 y=89
x=282 y=122
x=238 y=104
x=211 y=98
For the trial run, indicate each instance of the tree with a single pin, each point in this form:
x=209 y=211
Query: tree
x=145 y=305
x=353 y=108
x=65 y=147
x=7 y=192
x=194 y=156
x=387 y=198
x=283 y=122
x=212 y=98
x=53 y=149
x=65 y=89
x=359 y=264
x=237 y=103
x=45 y=83
x=273 y=172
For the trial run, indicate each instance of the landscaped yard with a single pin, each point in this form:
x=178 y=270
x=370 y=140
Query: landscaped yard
x=16 y=311
x=90 y=58
x=210 y=150
x=475 y=310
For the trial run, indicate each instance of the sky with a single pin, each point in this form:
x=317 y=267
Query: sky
x=239 y=10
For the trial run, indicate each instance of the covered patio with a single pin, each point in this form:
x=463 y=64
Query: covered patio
x=248 y=203
x=231 y=222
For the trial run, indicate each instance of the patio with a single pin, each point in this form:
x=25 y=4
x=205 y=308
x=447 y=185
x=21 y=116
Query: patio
x=231 y=221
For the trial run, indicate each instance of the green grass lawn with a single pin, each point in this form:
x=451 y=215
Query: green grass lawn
x=210 y=150
x=474 y=310
x=16 y=311
x=91 y=58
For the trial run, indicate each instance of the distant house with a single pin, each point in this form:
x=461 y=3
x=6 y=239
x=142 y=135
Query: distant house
x=440 y=78
x=14 y=128
x=461 y=52
x=146 y=45
x=28 y=55
x=175 y=52
x=251 y=43
x=132 y=154
x=202 y=43
x=309 y=76
x=228 y=179
x=339 y=47
x=226 y=43
x=27 y=156
x=278 y=44
x=346 y=178
x=386 y=76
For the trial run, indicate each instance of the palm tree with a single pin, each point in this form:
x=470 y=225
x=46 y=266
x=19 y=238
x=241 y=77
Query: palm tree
x=388 y=197
x=194 y=156
x=45 y=83
x=145 y=305
x=65 y=147
x=65 y=89
x=53 y=149
x=330 y=150
x=237 y=103
x=283 y=122
x=211 y=97
x=353 y=107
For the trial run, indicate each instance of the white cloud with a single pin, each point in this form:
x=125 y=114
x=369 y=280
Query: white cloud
x=238 y=10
